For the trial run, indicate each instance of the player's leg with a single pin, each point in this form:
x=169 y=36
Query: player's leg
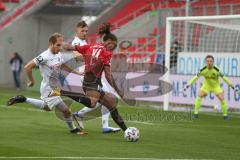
x=68 y=118
x=89 y=99
x=110 y=102
x=198 y=102
x=22 y=99
x=80 y=98
x=105 y=117
x=94 y=97
x=63 y=108
x=82 y=113
x=105 y=121
x=106 y=114
x=220 y=94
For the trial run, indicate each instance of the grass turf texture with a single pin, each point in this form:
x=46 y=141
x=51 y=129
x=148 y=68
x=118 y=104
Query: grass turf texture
x=28 y=132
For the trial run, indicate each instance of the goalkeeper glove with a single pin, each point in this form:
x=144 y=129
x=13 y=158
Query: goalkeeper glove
x=235 y=89
x=186 y=87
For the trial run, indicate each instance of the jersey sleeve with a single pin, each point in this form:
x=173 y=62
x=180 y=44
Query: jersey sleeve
x=74 y=42
x=226 y=80
x=82 y=49
x=195 y=78
x=107 y=59
x=40 y=60
x=77 y=42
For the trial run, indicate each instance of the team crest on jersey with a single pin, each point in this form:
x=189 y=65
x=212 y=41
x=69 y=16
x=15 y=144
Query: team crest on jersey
x=55 y=67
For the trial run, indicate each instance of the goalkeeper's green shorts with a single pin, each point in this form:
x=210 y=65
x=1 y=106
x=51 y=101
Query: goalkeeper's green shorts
x=216 y=89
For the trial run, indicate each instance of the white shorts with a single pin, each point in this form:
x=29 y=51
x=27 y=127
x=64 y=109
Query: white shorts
x=52 y=101
x=105 y=87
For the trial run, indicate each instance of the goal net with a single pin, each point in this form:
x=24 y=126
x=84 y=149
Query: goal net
x=188 y=41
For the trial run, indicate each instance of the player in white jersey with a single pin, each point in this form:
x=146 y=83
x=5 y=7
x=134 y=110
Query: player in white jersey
x=50 y=64
x=80 y=39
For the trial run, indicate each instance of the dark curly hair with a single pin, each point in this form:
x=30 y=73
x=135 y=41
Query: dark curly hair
x=105 y=31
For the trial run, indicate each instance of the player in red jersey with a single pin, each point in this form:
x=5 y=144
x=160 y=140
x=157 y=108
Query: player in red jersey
x=97 y=59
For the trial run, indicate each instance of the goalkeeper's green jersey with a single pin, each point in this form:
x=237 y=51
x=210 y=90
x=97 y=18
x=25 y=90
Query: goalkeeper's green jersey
x=211 y=77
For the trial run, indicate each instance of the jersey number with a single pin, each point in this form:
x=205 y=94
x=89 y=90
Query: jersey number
x=96 y=53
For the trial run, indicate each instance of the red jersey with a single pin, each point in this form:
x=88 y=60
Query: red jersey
x=95 y=58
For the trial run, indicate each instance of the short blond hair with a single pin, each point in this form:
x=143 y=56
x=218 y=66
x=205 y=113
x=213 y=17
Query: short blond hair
x=53 y=38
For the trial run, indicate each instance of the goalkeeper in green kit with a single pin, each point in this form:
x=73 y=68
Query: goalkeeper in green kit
x=210 y=84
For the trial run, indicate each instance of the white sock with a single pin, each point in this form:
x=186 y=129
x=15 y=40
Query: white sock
x=36 y=102
x=105 y=117
x=70 y=123
x=85 y=110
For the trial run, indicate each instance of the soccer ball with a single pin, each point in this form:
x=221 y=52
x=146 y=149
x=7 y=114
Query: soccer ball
x=131 y=134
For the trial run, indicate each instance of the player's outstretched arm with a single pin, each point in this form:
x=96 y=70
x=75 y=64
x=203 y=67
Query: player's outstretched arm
x=111 y=81
x=70 y=69
x=227 y=80
x=68 y=47
x=28 y=69
x=195 y=78
x=78 y=56
x=80 y=49
x=192 y=81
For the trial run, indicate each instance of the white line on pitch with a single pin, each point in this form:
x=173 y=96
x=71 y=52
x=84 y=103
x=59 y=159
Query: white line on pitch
x=110 y=158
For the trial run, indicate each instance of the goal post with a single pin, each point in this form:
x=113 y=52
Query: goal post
x=185 y=53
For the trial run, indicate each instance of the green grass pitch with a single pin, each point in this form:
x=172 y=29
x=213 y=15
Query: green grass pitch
x=27 y=132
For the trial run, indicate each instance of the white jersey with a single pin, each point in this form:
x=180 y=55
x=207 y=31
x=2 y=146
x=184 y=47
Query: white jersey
x=50 y=68
x=78 y=41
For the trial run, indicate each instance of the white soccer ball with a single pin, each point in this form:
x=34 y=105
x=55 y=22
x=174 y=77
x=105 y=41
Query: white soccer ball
x=131 y=134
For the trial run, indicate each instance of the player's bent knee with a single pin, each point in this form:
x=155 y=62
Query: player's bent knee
x=221 y=98
x=202 y=94
x=66 y=110
x=93 y=103
x=110 y=100
x=66 y=113
x=46 y=108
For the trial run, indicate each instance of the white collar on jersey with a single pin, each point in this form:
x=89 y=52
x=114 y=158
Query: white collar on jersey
x=49 y=51
x=79 y=39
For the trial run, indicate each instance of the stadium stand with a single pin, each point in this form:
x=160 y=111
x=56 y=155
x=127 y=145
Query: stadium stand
x=2 y=6
x=132 y=10
x=11 y=1
x=14 y=8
